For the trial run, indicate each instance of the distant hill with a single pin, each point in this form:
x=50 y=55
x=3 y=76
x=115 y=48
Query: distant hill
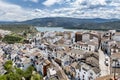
x=72 y=23
x=62 y=21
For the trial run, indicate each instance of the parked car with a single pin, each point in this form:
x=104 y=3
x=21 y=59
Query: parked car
x=106 y=61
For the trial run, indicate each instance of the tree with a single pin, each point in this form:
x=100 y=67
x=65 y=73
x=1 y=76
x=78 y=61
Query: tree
x=11 y=39
x=12 y=76
x=3 y=77
x=19 y=72
x=28 y=72
x=14 y=73
x=36 y=76
x=8 y=66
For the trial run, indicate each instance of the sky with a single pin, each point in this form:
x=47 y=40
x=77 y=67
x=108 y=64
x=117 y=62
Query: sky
x=21 y=10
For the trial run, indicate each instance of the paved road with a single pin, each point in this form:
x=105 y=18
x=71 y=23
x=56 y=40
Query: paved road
x=105 y=70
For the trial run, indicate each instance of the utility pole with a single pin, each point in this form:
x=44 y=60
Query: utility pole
x=115 y=60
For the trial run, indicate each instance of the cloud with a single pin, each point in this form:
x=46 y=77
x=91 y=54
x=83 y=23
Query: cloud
x=35 y=1
x=88 y=3
x=13 y=12
x=76 y=8
x=49 y=3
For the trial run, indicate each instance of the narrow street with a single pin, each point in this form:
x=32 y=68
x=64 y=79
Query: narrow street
x=61 y=71
x=105 y=70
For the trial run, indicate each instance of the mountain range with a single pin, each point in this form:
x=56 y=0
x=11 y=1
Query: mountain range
x=72 y=23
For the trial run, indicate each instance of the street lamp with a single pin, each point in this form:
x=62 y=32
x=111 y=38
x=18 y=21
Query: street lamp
x=115 y=60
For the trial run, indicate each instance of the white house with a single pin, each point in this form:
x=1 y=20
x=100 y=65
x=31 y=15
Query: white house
x=51 y=72
x=86 y=46
x=86 y=72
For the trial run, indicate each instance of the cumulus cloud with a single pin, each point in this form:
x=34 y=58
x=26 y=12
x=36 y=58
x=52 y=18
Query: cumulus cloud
x=88 y=3
x=76 y=8
x=14 y=12
x=49 y=3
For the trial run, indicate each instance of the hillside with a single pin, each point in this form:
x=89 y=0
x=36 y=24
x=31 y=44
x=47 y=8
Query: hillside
x=72 y=23
x=64 y=21
x=17 y=28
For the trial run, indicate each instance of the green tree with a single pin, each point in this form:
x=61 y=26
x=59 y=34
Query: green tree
x=14 y=73
x=19 y=72
x=12 y=76
x=36 y=76
x=3 y=77
x=11 y=39
x=8 y=66
x=28 y=72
